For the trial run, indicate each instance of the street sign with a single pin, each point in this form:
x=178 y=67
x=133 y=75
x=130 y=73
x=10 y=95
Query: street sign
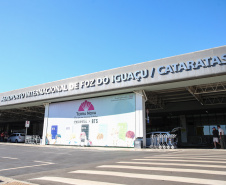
x=27 y=124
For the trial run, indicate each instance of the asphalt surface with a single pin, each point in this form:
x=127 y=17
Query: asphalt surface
x=87 y=165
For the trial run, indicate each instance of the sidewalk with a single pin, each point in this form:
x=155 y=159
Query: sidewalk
x=9 y=181
x=109 y=148
x=82 y=147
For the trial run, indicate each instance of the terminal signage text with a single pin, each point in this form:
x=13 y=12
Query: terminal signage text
x=124 y=77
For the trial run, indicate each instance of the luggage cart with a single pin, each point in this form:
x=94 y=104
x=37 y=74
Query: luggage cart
x=36 y=139
x=32 y=139
x=29 y=139
x=163 y=141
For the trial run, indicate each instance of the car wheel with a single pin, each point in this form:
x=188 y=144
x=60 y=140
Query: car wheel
x=9 y=140
x=16 y=141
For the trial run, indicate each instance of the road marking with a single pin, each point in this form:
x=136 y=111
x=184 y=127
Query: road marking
x=74 y=181
x=180 y=160
x=154 y=177
x=210 y=158
x=9 y=158
x=165 y=169
x=174 y=164
x=45 y=163
x=198 y=155
x=57 y=153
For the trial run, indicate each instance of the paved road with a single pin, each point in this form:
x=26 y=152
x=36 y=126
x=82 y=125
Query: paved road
x=97 y=166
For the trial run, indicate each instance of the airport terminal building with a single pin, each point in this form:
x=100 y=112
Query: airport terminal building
x=114 y=107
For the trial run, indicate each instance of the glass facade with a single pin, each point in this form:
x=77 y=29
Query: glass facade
x=198 y=125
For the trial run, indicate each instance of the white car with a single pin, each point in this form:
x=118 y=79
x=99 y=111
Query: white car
x=17 y=138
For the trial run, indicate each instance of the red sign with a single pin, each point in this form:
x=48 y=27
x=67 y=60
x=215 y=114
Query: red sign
x=27 y=123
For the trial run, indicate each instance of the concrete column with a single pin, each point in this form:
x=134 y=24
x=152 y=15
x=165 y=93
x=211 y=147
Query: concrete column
x=45 y=124
x=140 y=129
x=34 y=129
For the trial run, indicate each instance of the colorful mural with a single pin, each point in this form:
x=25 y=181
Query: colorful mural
x=106 y=121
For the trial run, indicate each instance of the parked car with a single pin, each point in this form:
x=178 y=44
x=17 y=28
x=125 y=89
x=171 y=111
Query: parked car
x=17 y=138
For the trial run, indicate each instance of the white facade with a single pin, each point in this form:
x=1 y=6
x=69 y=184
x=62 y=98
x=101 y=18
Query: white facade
x=186 y=68
x=106 y=121
x=111 y=116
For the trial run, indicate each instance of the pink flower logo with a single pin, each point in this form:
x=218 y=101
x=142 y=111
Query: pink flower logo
x=86 y=105
x=130 y=134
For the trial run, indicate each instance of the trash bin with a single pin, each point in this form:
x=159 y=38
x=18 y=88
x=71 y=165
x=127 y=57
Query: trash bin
x=138 y=143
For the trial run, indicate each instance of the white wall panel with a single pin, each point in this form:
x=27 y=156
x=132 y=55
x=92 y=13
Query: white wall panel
x=105 y=121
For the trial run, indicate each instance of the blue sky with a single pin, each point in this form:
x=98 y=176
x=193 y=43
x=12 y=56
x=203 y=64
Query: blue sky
x=47 y=40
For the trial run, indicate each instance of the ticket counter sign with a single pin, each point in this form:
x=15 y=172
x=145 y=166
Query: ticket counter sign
x=27 y=124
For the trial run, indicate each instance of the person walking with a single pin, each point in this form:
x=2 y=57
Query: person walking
x=221 y=135
x=215 y=137
x=2 y=136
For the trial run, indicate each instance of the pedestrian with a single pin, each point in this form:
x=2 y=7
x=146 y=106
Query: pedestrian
x=221 y=135
x=215 y=137
x=6 y=137
x=2 y=136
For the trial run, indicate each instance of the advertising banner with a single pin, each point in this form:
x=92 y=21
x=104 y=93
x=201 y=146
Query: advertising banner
x=104 y=121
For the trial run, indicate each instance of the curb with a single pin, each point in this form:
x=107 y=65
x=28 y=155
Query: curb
x=90 y=148
x=110 y=148
x=10 y=181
